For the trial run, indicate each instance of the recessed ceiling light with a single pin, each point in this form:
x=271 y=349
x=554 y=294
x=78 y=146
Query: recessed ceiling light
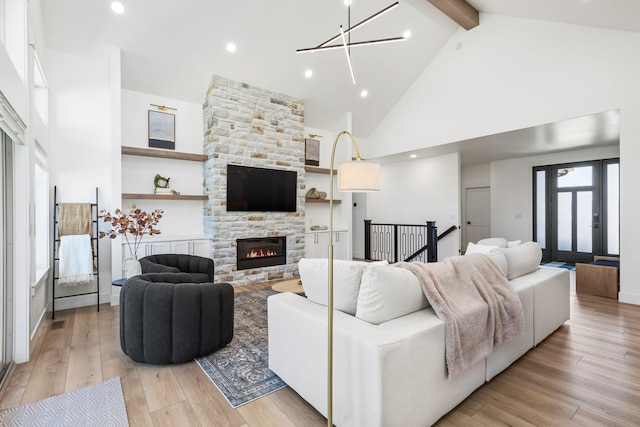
x=347 y=2
x=117 y=7
x=231 y=47
x=413 y=156
x=406 y=34
x=308 y=73
x=364 y=93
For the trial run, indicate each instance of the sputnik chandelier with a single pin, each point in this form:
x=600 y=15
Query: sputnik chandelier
x=347 y=44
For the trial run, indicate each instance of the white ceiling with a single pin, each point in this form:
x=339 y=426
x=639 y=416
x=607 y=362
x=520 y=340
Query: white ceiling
x=172 y=48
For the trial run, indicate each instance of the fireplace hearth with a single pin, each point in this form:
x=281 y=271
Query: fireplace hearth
x=261 y=252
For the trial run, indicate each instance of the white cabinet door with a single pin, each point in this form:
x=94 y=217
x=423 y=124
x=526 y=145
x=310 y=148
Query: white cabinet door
x=192 y=247
x=180 y=247
x=156 y=248
x=316 y=245
x=341 y=245
x=201 y=248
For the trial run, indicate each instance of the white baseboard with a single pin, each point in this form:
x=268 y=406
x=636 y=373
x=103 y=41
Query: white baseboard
x=629 y=298
x=37 y=325
x=81 y=301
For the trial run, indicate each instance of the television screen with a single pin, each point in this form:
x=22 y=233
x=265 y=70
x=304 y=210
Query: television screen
x=259 y=189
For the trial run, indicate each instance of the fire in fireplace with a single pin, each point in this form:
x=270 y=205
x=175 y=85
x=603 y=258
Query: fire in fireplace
x=261 y=252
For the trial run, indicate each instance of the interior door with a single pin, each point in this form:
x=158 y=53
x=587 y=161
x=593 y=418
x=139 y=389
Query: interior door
x=477 y=224
x=576 y=212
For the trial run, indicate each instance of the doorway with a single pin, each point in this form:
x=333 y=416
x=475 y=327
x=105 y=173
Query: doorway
x=576 y=210
x=477 y=215
x=6 y=253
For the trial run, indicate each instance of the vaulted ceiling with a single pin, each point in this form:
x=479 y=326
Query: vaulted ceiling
x=172 y=48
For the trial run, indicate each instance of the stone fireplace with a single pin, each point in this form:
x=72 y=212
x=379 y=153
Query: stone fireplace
x=249 y=126
x=261 y=252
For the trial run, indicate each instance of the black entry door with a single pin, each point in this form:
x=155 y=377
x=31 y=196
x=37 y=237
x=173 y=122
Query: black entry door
x=575 y=211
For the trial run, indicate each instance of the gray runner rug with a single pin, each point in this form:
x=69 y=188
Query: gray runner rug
x=96 y=405
x=241 y=370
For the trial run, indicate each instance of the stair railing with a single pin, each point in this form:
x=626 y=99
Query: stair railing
x=396 y=242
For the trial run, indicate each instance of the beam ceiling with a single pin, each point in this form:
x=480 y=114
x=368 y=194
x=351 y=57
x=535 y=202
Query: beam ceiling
x=459 y=11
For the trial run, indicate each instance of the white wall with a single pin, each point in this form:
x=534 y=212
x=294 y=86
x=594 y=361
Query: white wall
x=417 y=191
x=513 y=73
x=80 y=144
x=475 y=175
x=512 y=189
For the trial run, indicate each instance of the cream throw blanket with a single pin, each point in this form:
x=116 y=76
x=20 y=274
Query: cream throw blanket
x=476 y=302
x=76 y=263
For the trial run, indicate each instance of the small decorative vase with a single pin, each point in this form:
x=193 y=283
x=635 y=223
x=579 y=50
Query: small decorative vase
x=132 y=267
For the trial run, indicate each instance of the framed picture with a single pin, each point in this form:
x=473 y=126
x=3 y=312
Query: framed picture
x=311 y=152
x=162 y=130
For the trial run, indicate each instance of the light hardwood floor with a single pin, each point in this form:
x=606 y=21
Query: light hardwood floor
x=587 y=373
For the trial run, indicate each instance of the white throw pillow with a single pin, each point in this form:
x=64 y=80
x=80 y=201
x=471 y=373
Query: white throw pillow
x=473 y=248
x=513 y=243
x=388 y=292
x=346 y=282
x=522 y=259
x=494 y=241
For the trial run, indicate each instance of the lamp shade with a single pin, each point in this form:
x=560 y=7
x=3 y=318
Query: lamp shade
x=358 y=177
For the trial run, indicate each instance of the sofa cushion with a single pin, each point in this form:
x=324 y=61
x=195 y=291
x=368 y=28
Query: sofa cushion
x=513 y=243
x=473 y=248
x=500 y=261
x=522 y=259
x=388 y=292
x=346 y=282
x=494 y=241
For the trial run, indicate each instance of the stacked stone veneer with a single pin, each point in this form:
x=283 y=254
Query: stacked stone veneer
x=249 y=126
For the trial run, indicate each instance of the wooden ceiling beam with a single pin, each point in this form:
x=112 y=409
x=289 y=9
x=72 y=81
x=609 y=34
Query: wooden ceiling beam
x=459 y=11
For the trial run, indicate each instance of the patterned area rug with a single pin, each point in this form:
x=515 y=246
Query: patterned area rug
x=240 y=370
x=96 y=405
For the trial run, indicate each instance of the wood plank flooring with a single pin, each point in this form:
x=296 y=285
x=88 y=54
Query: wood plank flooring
x=587 y=373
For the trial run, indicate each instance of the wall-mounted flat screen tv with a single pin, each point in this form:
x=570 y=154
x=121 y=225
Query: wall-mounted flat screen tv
x=259 y=189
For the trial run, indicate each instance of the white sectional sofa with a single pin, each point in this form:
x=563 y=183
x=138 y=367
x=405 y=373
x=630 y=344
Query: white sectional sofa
x=389 y=346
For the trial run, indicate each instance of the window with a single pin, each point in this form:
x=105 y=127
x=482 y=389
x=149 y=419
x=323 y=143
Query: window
x=40 y=90
x=13 y=30
x=41 y=213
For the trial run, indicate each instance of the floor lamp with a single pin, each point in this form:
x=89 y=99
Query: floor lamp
x=357 y=176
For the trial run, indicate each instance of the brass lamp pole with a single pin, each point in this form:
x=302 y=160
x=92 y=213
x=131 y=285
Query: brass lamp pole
x=353 y=177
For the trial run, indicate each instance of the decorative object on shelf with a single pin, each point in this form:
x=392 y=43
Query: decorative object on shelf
x=313 y=193
x=311 y=152
x=161 y=185
x=318 y=227
x=347 y=44
x=356 y=176
x=162 y=130
x=136 y=223
x=160 y=181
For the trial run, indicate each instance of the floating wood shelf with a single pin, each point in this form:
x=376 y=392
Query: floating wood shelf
x=315 y=169
x=164 y=154
x=162 y=196
x=335 y=202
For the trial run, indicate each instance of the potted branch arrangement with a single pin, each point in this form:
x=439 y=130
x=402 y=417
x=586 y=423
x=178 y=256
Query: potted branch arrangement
x=133 y=225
